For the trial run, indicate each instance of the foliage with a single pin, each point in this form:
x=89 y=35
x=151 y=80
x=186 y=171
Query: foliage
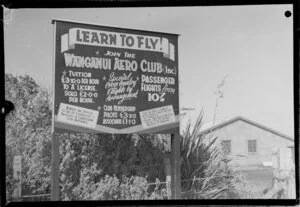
x=201 y=173
x=100 y=166
x=113 y=188
x=119 y=156
x=28 y=133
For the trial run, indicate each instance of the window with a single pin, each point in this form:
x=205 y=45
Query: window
x=226 y=146
x=252 y=145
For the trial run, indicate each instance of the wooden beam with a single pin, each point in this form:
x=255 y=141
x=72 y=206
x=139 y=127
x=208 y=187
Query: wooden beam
x=55 y=168
x=175 y=167
x=167 y=167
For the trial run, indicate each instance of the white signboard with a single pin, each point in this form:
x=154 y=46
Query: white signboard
x=157 y=116
x=78 y=116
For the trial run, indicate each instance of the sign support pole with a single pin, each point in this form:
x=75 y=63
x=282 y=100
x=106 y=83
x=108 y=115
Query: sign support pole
x=175 y=167
x=17 y=176
x=55 y=141
x=55 y=168
x=167 y=165
x=20 y=186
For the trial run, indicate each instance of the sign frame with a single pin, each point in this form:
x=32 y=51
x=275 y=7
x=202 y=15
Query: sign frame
x=163 y=121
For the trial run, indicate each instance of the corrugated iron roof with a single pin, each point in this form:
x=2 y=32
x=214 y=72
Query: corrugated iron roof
x=208 y=127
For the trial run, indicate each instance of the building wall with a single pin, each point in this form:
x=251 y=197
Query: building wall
x=239 y=132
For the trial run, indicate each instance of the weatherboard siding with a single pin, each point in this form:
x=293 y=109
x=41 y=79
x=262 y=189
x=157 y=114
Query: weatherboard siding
x=239 y=132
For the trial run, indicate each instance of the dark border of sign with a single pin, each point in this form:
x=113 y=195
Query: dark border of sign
x=14 y=4
x=60 y=126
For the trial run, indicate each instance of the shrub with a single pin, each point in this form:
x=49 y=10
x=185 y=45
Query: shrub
x=202 y=176
x=112 y=188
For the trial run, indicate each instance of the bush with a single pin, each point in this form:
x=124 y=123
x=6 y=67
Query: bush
x=28 y=133
x=127 y=164
x=118 y=155
x=201 y=173
x=112 y=188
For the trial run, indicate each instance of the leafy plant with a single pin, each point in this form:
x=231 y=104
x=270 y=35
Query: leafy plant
x=28 y=133
x=100 y=166
x=113 y=188
x=202 y=176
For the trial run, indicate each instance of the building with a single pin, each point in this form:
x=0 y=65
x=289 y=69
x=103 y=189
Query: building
x=245 y=142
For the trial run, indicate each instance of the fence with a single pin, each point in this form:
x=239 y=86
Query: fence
x=284 y=186
x=283 y=181
x=42 y=197
x=157 y=183
x=186 y=193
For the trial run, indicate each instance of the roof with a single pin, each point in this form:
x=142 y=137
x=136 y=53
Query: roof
x=208 y=127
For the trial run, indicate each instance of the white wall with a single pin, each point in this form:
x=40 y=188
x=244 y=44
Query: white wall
x=239 y=132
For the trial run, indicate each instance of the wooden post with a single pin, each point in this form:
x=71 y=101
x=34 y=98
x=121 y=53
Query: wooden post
x=17 y=176
x=55 y=168
x=55 y=141
x=20 y=186
x=17 y=194
x=175 y=167
x=167 y=164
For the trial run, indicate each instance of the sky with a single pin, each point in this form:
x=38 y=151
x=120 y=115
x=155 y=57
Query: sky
x=249 y=47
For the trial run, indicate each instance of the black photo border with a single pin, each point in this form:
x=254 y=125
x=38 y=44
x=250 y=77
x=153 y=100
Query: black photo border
x=5 y=106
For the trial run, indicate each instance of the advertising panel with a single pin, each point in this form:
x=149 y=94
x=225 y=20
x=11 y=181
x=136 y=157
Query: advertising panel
x=115 y=80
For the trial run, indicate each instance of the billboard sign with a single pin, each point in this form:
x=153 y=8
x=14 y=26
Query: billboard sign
x=115 y=80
